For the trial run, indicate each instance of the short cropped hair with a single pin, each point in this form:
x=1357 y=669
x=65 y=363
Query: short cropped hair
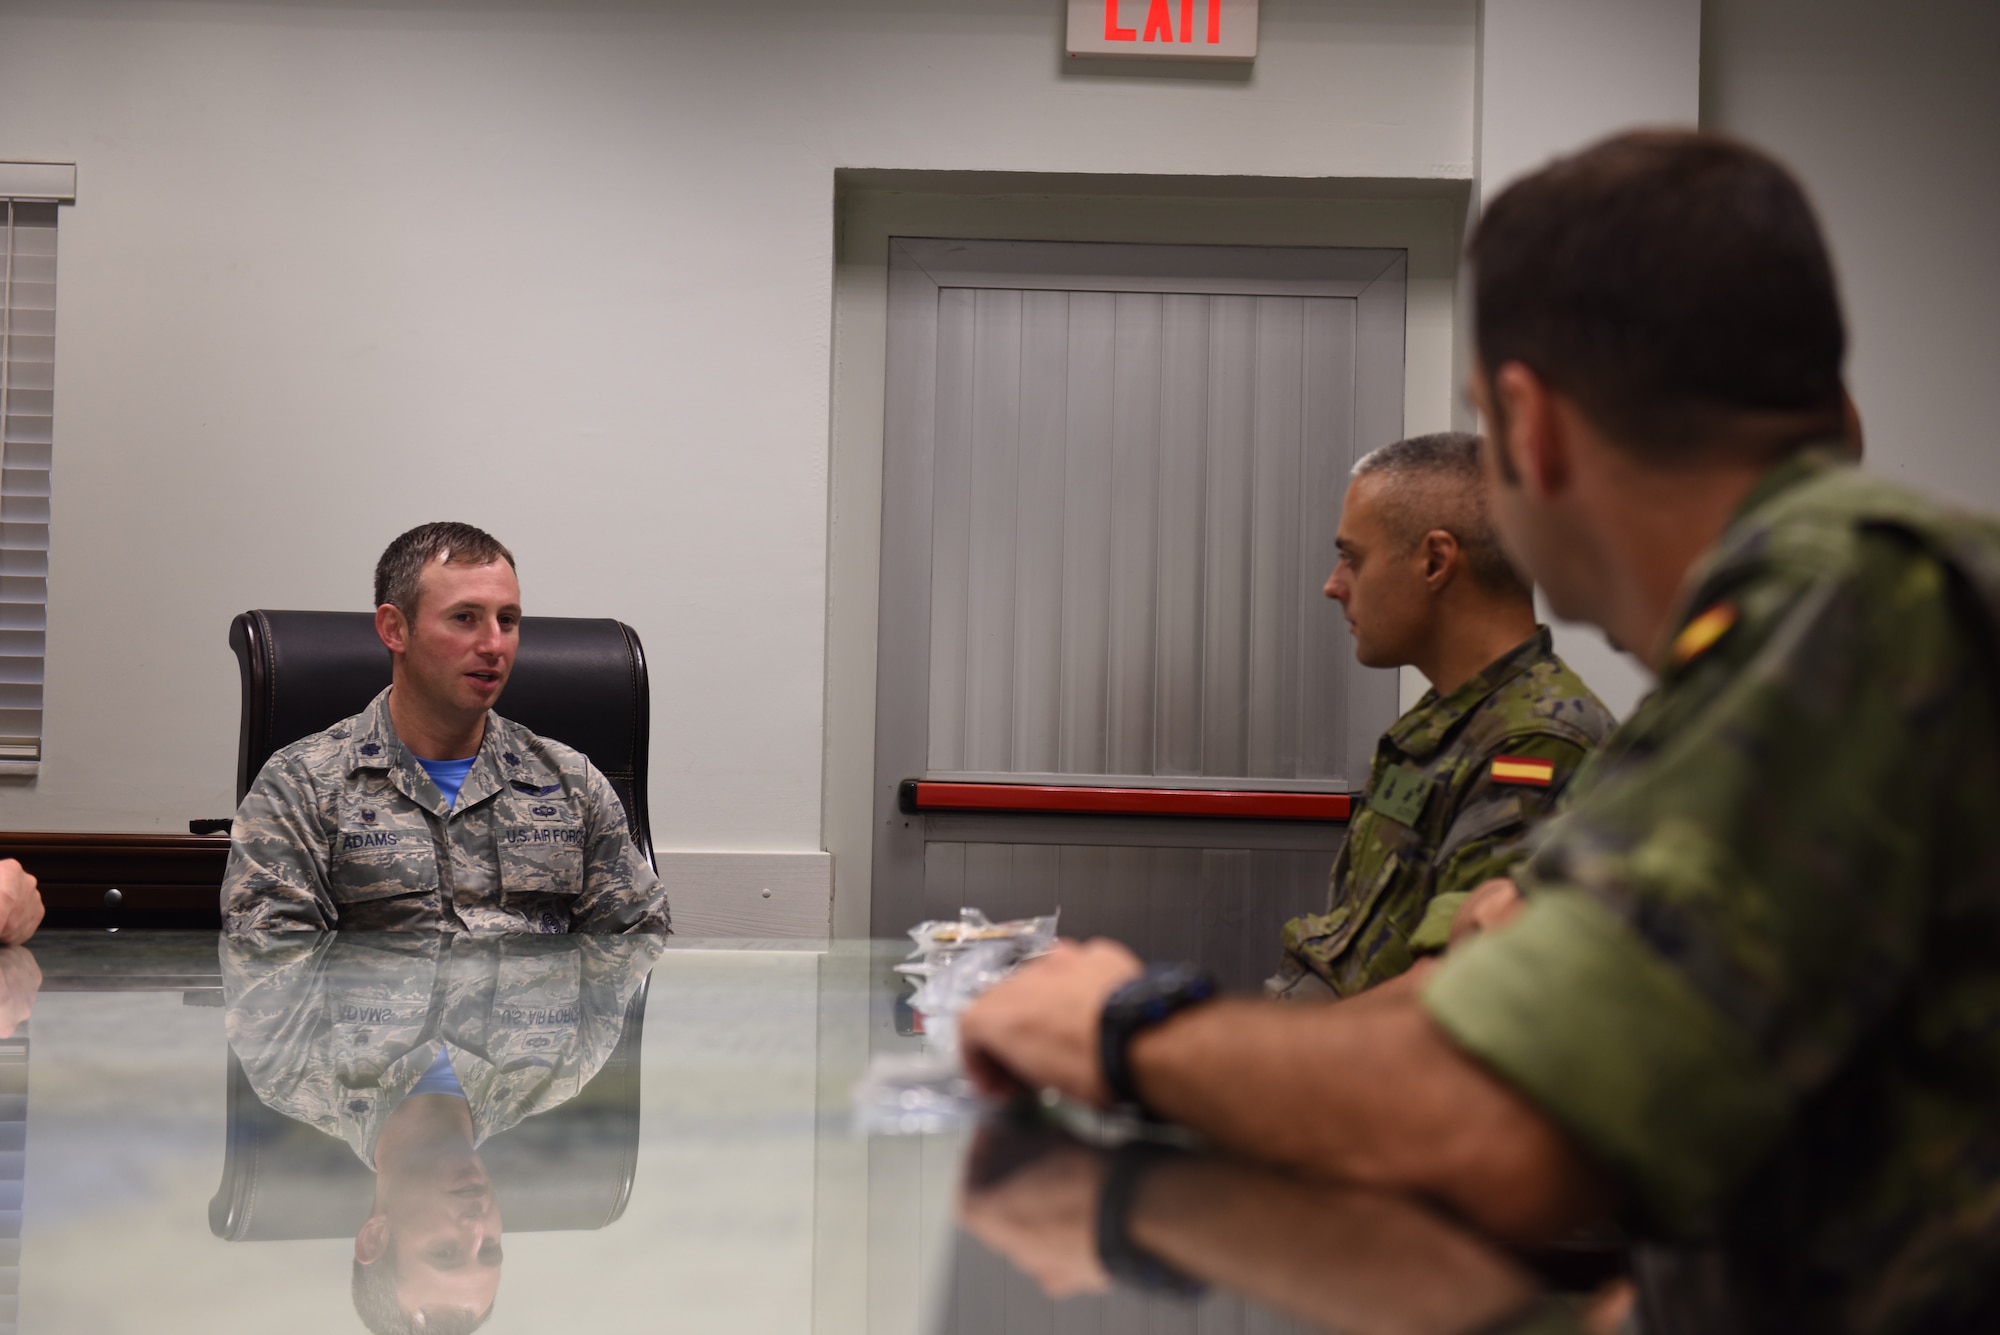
x=1667 y=281
x=402 y=565
x=374 y=1291
x=1434 y=482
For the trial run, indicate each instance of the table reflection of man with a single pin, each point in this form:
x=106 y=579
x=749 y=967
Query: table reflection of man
x=431 y=1247
x=414 y=1050
x=1075 y=1219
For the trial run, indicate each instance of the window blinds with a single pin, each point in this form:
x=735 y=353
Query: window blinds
x=27 y=419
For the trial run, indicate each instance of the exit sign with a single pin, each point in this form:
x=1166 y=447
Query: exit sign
x=1164 y=29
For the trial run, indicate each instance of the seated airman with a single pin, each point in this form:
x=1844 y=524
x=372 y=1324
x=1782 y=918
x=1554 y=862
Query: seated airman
x=427 y=809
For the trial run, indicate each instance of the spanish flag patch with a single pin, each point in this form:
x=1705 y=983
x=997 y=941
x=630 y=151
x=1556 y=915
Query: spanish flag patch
x=1700 y=634
x=1523 y=769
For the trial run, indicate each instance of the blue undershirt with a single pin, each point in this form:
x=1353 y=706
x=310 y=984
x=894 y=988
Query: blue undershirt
x=438 y=1077
x=448 y=775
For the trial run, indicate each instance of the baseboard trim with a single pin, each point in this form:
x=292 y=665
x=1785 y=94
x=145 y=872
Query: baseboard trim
x=718 y=893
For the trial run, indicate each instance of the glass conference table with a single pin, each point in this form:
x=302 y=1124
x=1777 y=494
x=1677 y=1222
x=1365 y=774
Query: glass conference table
x=645 y=1137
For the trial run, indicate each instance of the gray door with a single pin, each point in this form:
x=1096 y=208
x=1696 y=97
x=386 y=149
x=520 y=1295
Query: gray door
x=1112 y=477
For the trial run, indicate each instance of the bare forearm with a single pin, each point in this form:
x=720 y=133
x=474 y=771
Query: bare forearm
x=1339 y=1256
x=1369 y=1091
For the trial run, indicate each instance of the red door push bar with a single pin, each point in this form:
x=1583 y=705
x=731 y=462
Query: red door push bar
x=926 y=795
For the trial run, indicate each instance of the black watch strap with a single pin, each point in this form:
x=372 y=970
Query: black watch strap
x=1163 y=990
x=1122 y=1258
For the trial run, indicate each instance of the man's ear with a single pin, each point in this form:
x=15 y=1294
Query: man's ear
x=1441 y=558
x=1532 y=437
x=371 y=1244
x=392 y=628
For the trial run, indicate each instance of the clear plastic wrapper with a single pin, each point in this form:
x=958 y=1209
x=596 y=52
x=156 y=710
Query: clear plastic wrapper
x=941 y=940
x=951 y=987
x=954 y=961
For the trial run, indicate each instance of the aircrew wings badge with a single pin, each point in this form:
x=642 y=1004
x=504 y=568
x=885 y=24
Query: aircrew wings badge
x=1523 y=769
x=1700 y=634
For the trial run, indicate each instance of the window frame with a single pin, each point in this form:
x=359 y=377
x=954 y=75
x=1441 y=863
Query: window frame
x=26 y=465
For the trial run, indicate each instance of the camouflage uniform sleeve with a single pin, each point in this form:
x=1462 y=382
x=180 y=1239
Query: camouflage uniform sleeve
x=1732 y=907
x=1484 y=839
x=272 y=1008
x=614 y=968
x=620 y=892
x=277 y=874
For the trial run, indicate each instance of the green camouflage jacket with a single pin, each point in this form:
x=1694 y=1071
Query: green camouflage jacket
x=344 y=830
x=334 y=1030
x=1758 y=975
x=1454 y=785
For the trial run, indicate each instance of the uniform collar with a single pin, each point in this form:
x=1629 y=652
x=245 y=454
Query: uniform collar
x=1419 y=733
x=505 y=759
x=374 y=744
x=1802 y=465
x=1742 y=535
x=509 y=758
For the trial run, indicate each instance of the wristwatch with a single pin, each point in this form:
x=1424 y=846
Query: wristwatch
x=1117 y=1251
x=1161 y=991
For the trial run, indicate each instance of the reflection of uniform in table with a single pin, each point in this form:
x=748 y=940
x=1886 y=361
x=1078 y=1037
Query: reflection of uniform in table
x=742 y=1197
x=329 y=1032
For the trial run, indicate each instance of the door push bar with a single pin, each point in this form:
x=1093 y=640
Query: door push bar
x=923 y=796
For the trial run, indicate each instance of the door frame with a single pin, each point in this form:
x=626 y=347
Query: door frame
x=1375 y=278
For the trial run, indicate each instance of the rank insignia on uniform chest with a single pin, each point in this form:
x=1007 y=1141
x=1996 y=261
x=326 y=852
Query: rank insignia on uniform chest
x=1700 y=634
x=1400 y=793
x=1523 y=769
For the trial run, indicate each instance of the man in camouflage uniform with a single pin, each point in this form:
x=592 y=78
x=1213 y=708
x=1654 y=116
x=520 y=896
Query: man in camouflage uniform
x=1773 y=891
x=415 y=1049
x=350 y=829
x=1750 y=1000
x=1459 y=778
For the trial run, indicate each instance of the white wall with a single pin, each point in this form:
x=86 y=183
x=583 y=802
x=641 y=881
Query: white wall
x=1555 y=75
x=567 y=271
x=563 y=271
x=1891 y=115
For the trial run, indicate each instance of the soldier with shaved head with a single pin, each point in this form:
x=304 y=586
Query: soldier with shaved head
x=1458 y=780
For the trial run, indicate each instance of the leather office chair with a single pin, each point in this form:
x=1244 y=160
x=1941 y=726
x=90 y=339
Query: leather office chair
x=578 y=681
x=565 y=1169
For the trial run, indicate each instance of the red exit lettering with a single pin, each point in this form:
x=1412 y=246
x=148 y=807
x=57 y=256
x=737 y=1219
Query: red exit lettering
x=1159 y=22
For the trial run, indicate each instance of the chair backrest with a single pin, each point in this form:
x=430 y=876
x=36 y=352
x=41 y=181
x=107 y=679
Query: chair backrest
x=570 y=1167
x=579 y=681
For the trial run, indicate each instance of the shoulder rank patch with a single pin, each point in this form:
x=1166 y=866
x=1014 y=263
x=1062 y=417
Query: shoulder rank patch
x=1700 y=634
x=1401 y=794
x=1523 y=769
